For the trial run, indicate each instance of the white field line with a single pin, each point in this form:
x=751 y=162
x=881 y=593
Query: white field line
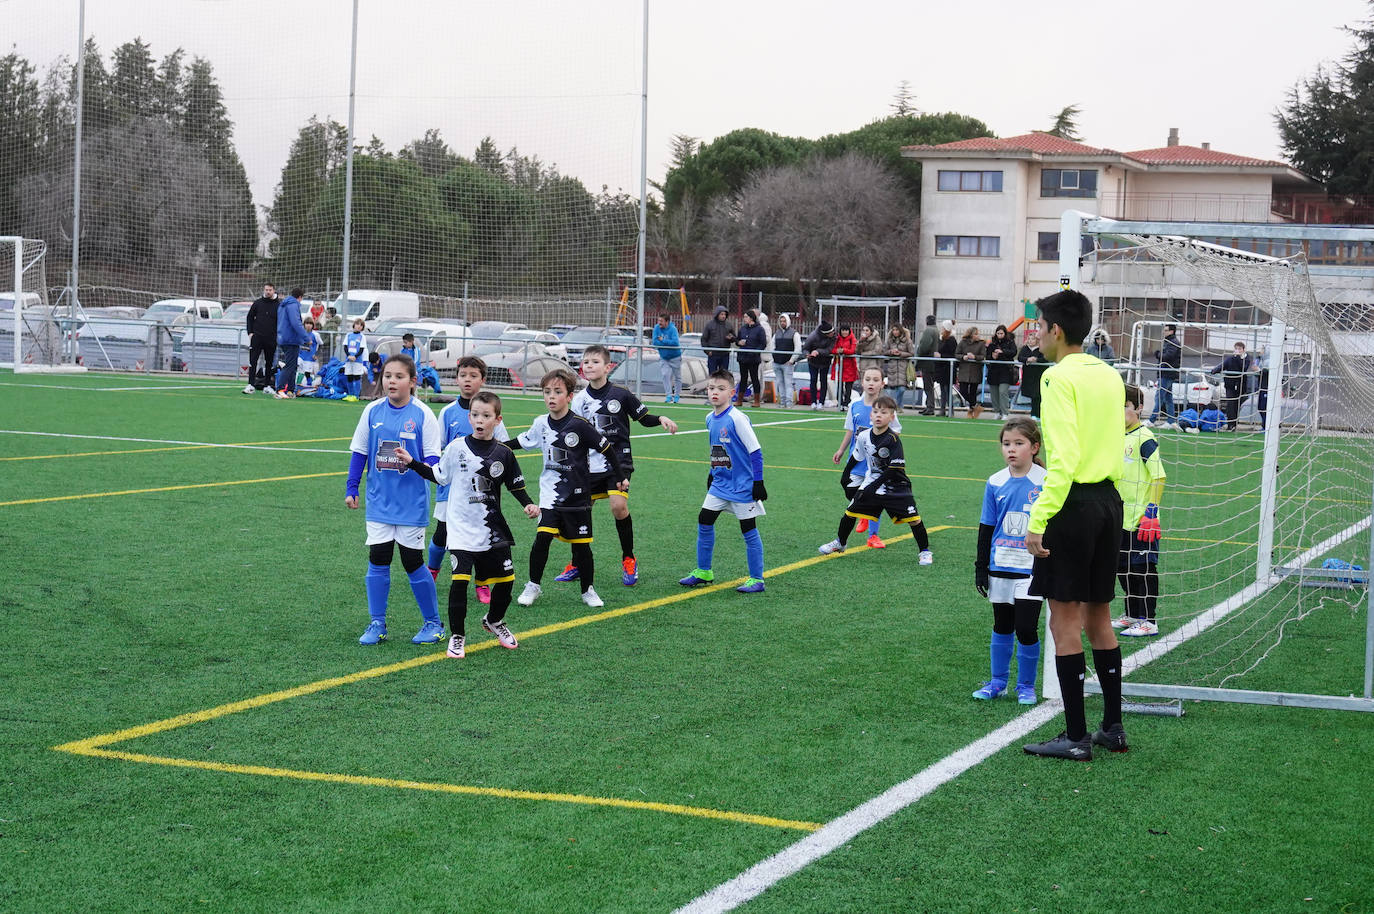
x=168 y=386
x=834 y=834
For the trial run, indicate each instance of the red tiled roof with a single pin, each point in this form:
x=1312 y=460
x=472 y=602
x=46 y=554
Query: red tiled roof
x=1043 y=143
x=1196 y=155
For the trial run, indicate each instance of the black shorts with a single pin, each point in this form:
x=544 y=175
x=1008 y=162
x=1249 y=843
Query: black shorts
x=603 y=484
x=571 y=525
x=901 y=507
x=1084 y=540
x=493 y=566
x=1136 y=553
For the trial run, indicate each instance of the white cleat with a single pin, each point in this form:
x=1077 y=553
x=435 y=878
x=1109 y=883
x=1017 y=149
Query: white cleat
x=529 y=594
x=927 y=558
x=591 y=599
x=831 y=548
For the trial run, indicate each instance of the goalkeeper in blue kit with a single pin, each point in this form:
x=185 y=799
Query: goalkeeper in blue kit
x=734 y=483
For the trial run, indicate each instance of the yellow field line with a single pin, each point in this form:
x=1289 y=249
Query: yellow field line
x=198 y=485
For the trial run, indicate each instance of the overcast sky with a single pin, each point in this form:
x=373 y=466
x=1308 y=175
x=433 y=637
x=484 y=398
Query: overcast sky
x=562 y=80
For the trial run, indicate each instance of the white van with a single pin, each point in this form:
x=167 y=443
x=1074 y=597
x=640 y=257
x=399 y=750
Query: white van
x=373 y=305
x=169 y=309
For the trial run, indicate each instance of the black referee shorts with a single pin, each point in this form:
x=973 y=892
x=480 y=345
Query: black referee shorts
x=1084 y=540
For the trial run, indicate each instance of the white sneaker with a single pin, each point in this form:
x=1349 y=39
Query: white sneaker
x=1123 y=622
x=591 y=599
x=831 y=547
x=1192 y=430
x=248 y=388
x=1141 y=629
x=529 y=594
x=456 y=647
x=269 y=391
x=927 y=558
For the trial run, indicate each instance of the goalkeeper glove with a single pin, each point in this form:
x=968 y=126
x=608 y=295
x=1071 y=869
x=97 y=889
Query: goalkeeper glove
x=1149 y=530
x=759 y=493
x=980 y=581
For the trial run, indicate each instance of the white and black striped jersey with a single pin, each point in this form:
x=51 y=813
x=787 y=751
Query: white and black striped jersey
x=886 y=460
x=474 y=470
x=567 y=443
x=610 y=409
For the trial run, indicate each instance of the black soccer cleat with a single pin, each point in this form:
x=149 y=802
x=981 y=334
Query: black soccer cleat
x=1112 y=738
x=1077 y=750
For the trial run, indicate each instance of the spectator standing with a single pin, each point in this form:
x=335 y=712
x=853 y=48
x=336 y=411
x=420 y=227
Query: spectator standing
x=669 y=346
x=1170 y=356
x=290 y=337
x=870 y=350
x=818 y=347
x=926 y=350
x=262 y=340
x=970 y=353
x=751 y=342
x=1234 y=370
x=784 y=351
x=1033 y=365
x=946 y=348
x=845 y=370
x=1001 y=369
x=329 y=329
x=897 y=369
x=716 y=340
x=1101 y=347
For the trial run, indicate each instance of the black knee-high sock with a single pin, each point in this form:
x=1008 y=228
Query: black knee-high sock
x=918 y=530
x=586 y=567
x=458 y=606
x=500 y=601
x=1071 y=669
x=625 y=528
x=1133 y=583
x=1151 y=591
x=539 y=555
x=846 y=528
x=1108 y=666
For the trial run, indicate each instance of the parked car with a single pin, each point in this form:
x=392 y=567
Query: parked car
x=238 y=311
x=691 y=345
x=376 y=305
x=551 y=343
x=511 y=369
x=443 y=345
x=492 y=330
x=169 y=309
x=559 y=330
x=580 y=338
x=626 y=374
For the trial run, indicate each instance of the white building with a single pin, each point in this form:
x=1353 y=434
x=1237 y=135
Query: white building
x=990 y=211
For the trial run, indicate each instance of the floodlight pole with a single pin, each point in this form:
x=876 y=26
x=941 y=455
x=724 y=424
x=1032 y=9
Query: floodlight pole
x=643 y=204
x=348 y=160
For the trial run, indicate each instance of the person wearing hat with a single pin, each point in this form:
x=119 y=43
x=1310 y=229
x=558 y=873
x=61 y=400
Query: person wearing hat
x=716 y=340
x=817 y=348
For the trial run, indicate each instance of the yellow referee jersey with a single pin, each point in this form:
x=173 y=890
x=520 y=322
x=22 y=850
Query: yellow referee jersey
x=1081 y=419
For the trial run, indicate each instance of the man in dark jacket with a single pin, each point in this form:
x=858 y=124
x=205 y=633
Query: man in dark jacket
x=751 y=341
x=932 y=372
x=1234 y=370
x=1033 y=363
x=818 y=347
x=1170 y=356
x=262 y=340
x=716 y=340
x=290 y=337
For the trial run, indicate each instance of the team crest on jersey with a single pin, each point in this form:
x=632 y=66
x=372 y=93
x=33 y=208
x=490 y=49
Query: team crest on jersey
x=613 y=406
x=496 y=469
x=725 y=435
x=884 y=452
x=571 y=439
x=410 y=425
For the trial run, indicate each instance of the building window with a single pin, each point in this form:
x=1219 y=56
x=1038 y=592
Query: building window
x=968 y=246
x=1047 y=246
x=966 y=310
x=980 y=181
x=1068 y=182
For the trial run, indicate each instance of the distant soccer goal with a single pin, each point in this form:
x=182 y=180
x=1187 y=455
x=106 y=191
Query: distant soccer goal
x=1263 y=591
x=33 y=336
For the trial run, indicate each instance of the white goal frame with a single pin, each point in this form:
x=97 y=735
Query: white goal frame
x=19 y=365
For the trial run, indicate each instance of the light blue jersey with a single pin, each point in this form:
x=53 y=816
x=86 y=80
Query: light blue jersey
x=396 y=495
x=454 y=424
x=858 y=417
x=736 y=457
x=1007 y=501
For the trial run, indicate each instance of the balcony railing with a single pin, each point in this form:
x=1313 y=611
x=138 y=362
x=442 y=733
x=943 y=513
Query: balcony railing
x=1161 y=207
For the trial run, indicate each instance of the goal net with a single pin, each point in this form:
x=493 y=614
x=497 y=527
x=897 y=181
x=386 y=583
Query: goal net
x=1268 y=445
x=34 y=334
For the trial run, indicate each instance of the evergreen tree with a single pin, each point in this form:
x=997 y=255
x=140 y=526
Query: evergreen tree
x=21 y=134
x=1065 y=125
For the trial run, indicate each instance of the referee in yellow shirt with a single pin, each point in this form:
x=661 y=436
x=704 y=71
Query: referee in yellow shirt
x=1075 y=524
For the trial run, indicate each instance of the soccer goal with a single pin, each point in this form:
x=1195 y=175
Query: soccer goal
x=33 y=335
x=1263 y=585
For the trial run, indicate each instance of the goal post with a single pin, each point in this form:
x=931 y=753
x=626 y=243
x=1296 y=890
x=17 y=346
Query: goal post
x=34 y=335
x=1267 y=507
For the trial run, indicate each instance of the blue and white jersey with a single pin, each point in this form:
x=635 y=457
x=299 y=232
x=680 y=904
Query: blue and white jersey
x=454 y=424
x=736 y=457
x=355 y=354
x=395 y=495
x=1007 y=501
x=858 y=417
x=311 y=347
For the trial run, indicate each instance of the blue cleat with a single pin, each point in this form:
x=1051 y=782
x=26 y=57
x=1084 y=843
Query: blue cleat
x=1025 y=694
x=698 y=577
x=991 y=689
x=630 y=577
x=376 y=631
x=569 y=574
x=753 y=585
x=429 y=633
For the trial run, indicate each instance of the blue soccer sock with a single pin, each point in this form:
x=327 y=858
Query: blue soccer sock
x=706 y=545
x=422 y=585
x=436 y=557
x=873 y=527
x=753 y=553
x=355 y=388
x=1027 y=663
x=1001 y=657
x=378 y=584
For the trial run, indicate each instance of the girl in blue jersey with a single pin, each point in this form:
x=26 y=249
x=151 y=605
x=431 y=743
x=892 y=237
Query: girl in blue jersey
x=858 y=417
x=355 y=358
x=1002 y=570
x=310 y=352
x=397 y=499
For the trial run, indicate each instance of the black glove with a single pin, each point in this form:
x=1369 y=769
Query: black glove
x=980 y=581
x=760 y=493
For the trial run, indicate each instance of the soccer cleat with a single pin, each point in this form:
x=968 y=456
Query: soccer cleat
x=483 y=593
x=927 y=558
x=876 y=542
x=529 y=594
x=990 y=690
x=1141 y=629
x=248 y=389
x=268 y=390
x=831 y=547
x=591 y=599
x=631 y=575
x=429 y=633
x=751 y=585
x=1076 y=750
x=1025 y=694
x=1123 y=622
x=502 y=633
x=699 y=576
x=861 y=526
x=568 y=574
x=376 y=631
x=1112 y=738
x=455 y=647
